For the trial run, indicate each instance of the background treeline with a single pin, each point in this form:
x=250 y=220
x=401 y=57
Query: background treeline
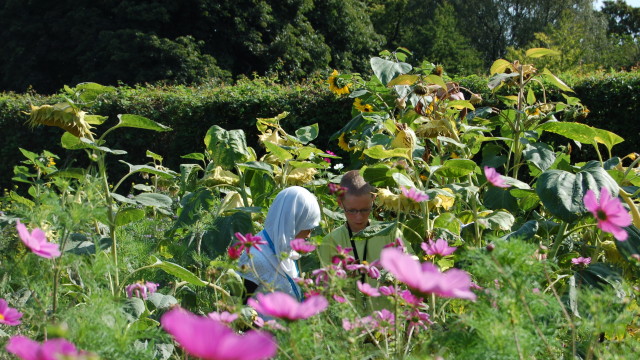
x=190 y=110
x=45 y=44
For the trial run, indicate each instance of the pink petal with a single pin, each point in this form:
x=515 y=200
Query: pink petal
x=23 y=347
x=591 y=203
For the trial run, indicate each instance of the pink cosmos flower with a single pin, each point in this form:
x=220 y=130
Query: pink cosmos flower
x=342 y=256
x=411 y=299
x=388 y=290
x=27 y=349
x=367 y=289
x=224 y=317
x=609 y=212
x=339 y=299
x=302 y=246
x=494 y=177
x=418 y=320
x=414 y=194
x=284 y=306
x=426 y=278
x=208 y=339
x=141 y=290
x=439 y=247
x=8 y=315
x=37 y=242
x=581 y=261
x=248 y=241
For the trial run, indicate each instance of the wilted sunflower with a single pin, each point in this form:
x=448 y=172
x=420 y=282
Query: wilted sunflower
x=362 y=107
x=337 y=85
x=62 y=115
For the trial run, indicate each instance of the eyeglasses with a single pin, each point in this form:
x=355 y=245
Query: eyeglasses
x=356 y=211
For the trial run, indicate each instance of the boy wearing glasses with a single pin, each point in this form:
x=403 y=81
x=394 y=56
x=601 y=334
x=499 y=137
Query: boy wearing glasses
x=357 y=203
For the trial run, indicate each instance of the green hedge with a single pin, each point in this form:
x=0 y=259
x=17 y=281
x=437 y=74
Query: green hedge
x=612 y=98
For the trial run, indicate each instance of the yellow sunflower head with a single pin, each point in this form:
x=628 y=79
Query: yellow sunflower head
x=343 y=142
x=336 y=85
x=362 y=107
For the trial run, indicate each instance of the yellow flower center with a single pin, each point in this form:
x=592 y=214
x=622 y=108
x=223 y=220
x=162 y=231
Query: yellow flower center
x=1 y=317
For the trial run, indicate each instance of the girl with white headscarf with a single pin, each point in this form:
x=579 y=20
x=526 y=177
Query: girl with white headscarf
x=293 y=214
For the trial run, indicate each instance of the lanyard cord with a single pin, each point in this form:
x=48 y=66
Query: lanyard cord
x=291 y=282
x=355 y=250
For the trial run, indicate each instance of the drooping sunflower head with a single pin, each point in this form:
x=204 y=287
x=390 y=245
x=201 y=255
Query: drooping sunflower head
x=338 y=85
x=62 y=115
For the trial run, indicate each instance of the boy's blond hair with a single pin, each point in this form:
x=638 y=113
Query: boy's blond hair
x=355 y=184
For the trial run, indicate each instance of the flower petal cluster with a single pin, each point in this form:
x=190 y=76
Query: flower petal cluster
x=367 y=289
x=439 y=247
x=335 y=86
x=8 y=315
x=208 y=339
x=581 y=261
x=248 y=241
x=414 y=194
x=302 y=246
x=141 y=290
x=609 y=212
x=426 y=278
x=494 y=177
x=37 y=242
x=284 y=306
x=335 y=189
x=53 y=349
x=223 y=317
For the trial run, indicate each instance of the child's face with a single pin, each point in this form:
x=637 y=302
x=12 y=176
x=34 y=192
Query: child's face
x=356 y=209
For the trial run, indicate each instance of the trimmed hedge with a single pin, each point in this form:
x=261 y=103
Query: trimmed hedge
x=612 y=99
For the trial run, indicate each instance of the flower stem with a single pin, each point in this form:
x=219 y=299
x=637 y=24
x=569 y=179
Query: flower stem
x=558 y=240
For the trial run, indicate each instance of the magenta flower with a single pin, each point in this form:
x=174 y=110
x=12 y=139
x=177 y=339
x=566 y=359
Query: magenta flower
x=426 y=278
x=37 y=242
x=339 y=299
x=302 y=246
x=414 y=194
x=388 y=290
x=609 y=212
x=208 y=339
x=54 y=349
x=411 y=299
x=248 y=241
x=336 y=189
x=418 y=320
x=234 y=251
x=284 y=306
x=367 y=289
x=581 y=261
x=494 y=177
x=329 y=152
x=141 y=290
x=439 y=247
x=223 y=317
x=342 y=257
x=9 y=316
x=397 y=243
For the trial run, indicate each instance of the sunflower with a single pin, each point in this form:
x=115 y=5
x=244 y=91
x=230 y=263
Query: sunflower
x=362 y=107
x=61 y=115
x=336 y=85
x=343 y=142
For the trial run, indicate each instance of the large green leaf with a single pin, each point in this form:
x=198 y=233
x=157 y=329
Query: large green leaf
x=307 y=133
x=404 y=80
x=540 y=52
x=194 y=205
x=379 y=152
x=555 y=80
x=539 y=154
x=227 y=148
x=154 y=200
x=128 y=215
x=448 y=221
x=455 y=168
x=376 y=229
x=162 y=301
x=562 y=192
x=582 y=133
x=178 y=271
x=386 y=70
x=220 y=234
x=167 y=174
x=140 y=122
x=497 y=198
x=280 y=153
x=497 y=220
x=257 y=166
x=527 y=231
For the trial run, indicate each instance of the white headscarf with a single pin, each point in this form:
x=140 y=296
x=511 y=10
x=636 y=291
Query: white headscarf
x=294 y=209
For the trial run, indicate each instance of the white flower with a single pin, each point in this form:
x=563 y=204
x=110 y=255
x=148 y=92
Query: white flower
x=338 y=166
